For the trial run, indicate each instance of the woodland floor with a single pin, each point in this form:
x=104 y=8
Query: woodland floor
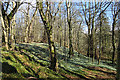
x=32 y=61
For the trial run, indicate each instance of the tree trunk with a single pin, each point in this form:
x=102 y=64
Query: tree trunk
x=27 y=25
x=118 y=59
x=6 y=21
x=44 y=37
x=93 y=42
x=12 y=31
x=70 y=28
x=53 y=58
x=7 y=33
x=118 y=53
x=48 y=27
x=100 y=38
x=113 y=41
x=3 y=25
x=93 y=33
x=5 y=28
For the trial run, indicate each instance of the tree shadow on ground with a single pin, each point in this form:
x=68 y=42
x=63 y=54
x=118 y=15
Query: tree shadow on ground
x=37 y=49
x=26 y=67
x=6 y=68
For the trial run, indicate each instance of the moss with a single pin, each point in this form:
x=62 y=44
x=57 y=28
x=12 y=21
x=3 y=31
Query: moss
x=12 y=76
x=39 y=52
x=11 y=52
x=4 y=49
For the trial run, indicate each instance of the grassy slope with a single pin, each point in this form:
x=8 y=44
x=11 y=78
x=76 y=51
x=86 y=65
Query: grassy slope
x=33 y=60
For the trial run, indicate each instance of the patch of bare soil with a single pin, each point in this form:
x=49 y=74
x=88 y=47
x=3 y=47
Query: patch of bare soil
x=98 y=75
x=105 y=70
x=72 y=77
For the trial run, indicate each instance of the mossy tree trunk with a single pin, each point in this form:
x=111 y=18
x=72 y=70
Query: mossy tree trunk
x=48 y=19
x=7 y=20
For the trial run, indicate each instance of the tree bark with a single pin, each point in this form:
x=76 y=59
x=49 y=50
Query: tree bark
x=118 y=53
x=118 y=58
x=68 y=4
x=113 y=32
x=27 y=25
x=6 y=22
x=100 y=38
x=47 y=21
x=12 y=30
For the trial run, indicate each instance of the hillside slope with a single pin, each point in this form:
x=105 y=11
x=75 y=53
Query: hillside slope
x=32 y=61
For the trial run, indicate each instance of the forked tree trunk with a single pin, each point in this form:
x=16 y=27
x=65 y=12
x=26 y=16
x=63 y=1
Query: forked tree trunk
x=48 y=27
x=6 y=18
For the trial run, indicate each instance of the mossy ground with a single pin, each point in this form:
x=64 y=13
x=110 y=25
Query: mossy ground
x=32 y=60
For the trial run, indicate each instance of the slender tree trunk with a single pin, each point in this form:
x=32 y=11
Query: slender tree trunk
x=93 y=41
x=114 y=13
x=93 y=33
x=27 y=25
x=30 y=26
x=12 y=31
x=78 y=39
x=60 y=29
x=64 y=31
x=70 y=28
x=100 y=38
x=118 y=58
x=113 y=41
x=61 y=36
x=118 y=53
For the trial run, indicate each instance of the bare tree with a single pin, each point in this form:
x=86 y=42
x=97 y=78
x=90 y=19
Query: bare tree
x=114 y=14
x=69 y=16
x=48 y=18
x=7 y=20
x=29 y=24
